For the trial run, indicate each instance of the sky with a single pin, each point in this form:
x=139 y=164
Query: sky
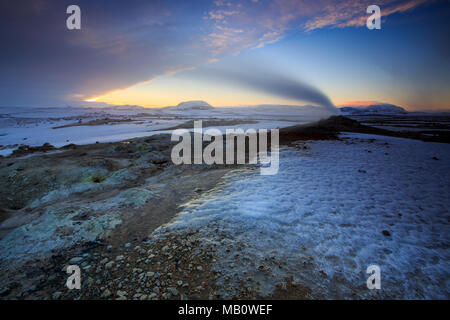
x=246 y=52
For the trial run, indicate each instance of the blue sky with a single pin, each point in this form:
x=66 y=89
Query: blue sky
x=157 y=53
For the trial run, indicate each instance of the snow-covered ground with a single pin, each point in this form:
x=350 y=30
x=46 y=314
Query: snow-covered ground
x=333 y=209
x=36 y=126
x=321 y=220
x=38 y=134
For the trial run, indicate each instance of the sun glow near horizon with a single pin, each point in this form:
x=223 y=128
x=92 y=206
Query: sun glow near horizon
x=92 y=99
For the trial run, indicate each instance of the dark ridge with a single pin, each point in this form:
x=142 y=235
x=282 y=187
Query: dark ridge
x=328 y=129
x=25 y=149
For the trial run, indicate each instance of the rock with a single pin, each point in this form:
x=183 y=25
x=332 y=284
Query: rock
x=104 y=261
x=109 y=265
x=150 y=274
x=120 y=258
x=109 y=248
x=32 y=289
x=56 y=295
x=127 y=245
x=106 y=293
x=179 y=282
x=143 y=297
x=75 y=260
x=200 y=268
x=199 y=289
x=173 y=291
x=4 y=291
x=83 y=216
x=121 y=293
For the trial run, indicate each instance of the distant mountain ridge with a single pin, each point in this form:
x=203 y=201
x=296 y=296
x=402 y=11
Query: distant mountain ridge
x=383 y=108
x=194 y=105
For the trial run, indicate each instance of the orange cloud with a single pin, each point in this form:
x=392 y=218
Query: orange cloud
x=353 y=13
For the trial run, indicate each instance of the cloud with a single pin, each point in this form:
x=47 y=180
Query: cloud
x=119 y=44
x=124 y=43
x=353 y=13
x=264 y=22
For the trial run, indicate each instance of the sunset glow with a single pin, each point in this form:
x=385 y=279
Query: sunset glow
x=91 y=100
x=251 y=150
x=155 y=64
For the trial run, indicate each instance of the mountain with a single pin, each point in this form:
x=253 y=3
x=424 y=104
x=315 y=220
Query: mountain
x=194 y=105
x=382 y=108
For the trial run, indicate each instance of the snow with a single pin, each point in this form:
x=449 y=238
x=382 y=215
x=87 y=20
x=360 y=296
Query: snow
x=35 y=126
x=195 y=104
x=373 y=109
x=39 y=133
x=320 y=220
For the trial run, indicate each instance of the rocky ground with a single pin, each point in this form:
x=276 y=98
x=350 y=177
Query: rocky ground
x=101 y=207
x=98 y=206
x=82 y=204
x=169 y=266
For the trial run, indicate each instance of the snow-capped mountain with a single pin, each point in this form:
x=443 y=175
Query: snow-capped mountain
x=384 y=108
x=194 y=105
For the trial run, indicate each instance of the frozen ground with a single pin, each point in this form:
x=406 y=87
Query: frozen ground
x=334 y=208
x=34 y=127
x=330 y=212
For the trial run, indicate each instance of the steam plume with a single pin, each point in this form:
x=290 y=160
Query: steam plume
x=276 y=83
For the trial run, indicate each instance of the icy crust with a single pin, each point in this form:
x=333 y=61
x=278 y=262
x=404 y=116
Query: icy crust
x=329 y=213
